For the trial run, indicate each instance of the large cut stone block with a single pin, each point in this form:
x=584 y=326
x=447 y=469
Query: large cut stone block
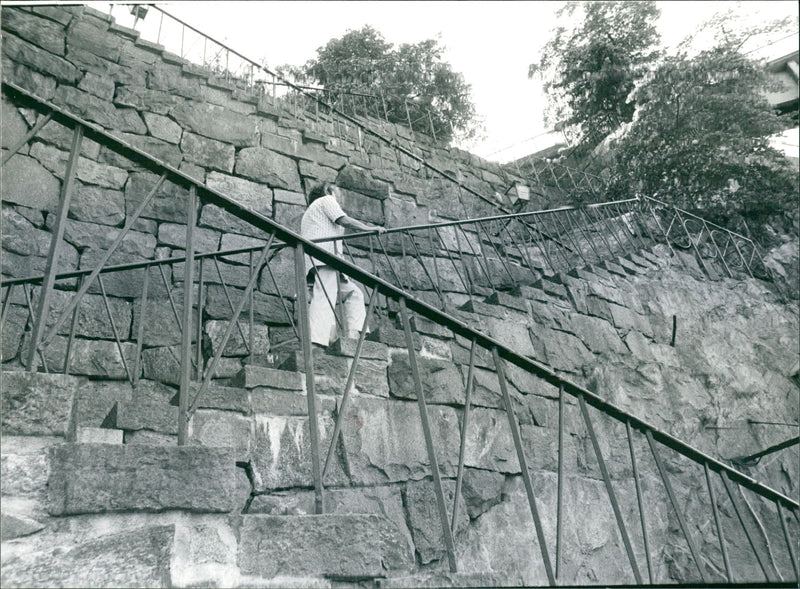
x=206 y=152
x=22 y=52
x=358 y=180
x=216 y=122
x=98 y=478
x=263 y=165
x=149 y=414
x=282 y=454
x=332 y=545
x=425 y=520
x=37 y=404
x=28 y=183
x=385 y=443
x=39 y=31
x=139 y=558
x=441 y=380
x=250 y=194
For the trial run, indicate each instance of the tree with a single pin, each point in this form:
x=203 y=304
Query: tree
x=590 y=67
x=410 y=82
x=699 y=137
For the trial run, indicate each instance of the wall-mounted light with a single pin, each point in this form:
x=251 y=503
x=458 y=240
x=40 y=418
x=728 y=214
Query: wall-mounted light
x=139 y=11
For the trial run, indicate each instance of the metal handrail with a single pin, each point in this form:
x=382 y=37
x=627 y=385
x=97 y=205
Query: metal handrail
x=416 y=305
x=406 y=303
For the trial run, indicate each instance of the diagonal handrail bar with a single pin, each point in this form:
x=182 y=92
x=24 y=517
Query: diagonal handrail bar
x=415 y=305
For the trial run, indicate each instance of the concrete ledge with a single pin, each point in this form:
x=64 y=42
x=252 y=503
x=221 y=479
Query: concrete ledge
x=351 y=546
x=98 y=478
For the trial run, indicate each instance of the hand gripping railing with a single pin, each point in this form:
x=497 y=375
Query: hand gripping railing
x=755 y=518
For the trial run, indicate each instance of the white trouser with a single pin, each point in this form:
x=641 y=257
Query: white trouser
x=320 y=312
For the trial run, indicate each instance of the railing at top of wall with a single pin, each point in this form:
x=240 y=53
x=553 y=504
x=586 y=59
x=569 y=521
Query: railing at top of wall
x=308 y=100
x=481 y=349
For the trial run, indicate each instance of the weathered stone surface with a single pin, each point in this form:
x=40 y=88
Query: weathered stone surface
x=25 y=53
x=168 y=204
x=481 y=490
x=98 y=435
x=133 y=132
x=91 y=235
x=14 y=126
x=15 y=321
x=17 y=526
x=597 y=334
x=263 y=165
x=98 y=85
x=21 y=237
x=217 y=218
x=424 y=518
x=443 y=579
x=563 y=351
x=163 y=127
x=162 y=364
x=174 y=235
x=249 y=194
x=92 y=319
x=206 y=152
x=24 y=474
x=236 y=346
x=87 y=171
x=266 y=308
x=219 y=397
x=358 y=180
x=28 y=183
x=625 y=320
x=89 y=478
x=37 y=404
x=309 y=545
x=85 y=35
x=258 y=376
x=39 y=31
x=88 y=357
x=97 y=205
x=143 y=414
x=139 y=557
x=141 y=98
x=281 y=452
x=385 y=443
x=222 y=429
x=216 y=122
x=361 y=207
x=88 y=106
x=441 y=380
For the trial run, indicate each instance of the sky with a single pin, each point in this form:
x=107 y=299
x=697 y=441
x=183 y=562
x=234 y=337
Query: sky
x=491 y=43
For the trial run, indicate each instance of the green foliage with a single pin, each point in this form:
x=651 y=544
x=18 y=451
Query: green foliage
x=699 y=137
x=410 y=82
x=590 y=67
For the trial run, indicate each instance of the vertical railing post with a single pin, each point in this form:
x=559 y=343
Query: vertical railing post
x=523 y=465
x=560 y=488
x=308 y=363
x=186 y=324
x=610 y=489
x=464 y=425
x=55 y=248
x=426 y=429
x=639 y=501
x=712 y=497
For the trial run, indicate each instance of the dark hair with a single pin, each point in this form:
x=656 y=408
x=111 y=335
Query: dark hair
x=320 y=190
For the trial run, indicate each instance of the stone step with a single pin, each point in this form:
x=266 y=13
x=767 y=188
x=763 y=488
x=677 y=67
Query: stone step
x=445 y=579
x=552 y=288
x=151 y=415
x=640 y=261
x=100 y=478
x=613 y=268
x=252 y=376
x=338 y=546
x=511 y=300
x=98 y=435
x=648 y=255
x=628 y=266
